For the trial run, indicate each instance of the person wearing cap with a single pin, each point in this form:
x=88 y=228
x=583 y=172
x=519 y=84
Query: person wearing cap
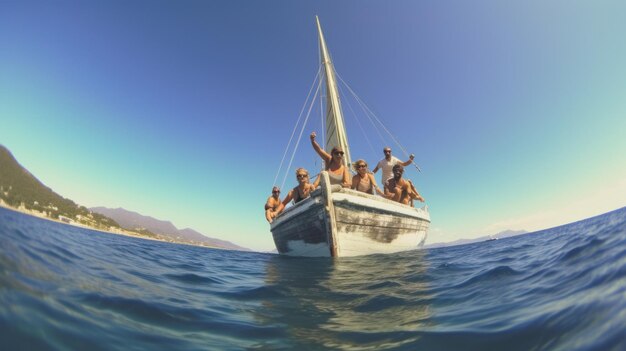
x=272 y=204
x=337 y=172
x=400 y=189
x=387 y=163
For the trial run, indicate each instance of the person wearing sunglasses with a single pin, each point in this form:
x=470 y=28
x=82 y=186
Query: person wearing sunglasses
x=272 y=204
x=337 y=172
x=400 y=189
x=387 y=163
x=301 y=191
x=363 y=180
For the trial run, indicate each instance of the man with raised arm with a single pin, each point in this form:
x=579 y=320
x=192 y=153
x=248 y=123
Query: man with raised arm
x=387 y=163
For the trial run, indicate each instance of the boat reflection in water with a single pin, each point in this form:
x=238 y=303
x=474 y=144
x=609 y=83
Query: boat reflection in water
x=366 y=302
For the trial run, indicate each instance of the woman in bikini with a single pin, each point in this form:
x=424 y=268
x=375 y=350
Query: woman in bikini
x=337 y=172
x=363 y=180
x=300 y=192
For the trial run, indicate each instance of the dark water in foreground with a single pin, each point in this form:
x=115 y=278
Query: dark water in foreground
x=67 y=288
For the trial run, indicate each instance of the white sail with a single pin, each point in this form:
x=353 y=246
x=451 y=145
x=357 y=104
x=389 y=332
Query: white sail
x=335 y=221
x=335 y=129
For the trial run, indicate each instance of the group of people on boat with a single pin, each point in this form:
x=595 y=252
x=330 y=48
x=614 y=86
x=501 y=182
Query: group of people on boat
x=396 y=187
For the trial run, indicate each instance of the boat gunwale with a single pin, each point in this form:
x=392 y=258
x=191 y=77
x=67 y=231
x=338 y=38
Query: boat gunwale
x=419 y=213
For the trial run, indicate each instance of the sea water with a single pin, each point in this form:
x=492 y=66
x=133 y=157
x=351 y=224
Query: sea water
x=69 y=288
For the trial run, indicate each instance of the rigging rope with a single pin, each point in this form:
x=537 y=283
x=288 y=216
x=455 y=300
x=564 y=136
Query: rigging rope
x=368 y=112
x=299 y=136
x=295 y=127
x=367 y=109
x=319 y=59
x=357 y=121
x=322 y=121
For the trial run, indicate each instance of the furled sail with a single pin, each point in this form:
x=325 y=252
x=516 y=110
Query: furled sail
x=338 y=222
x=335 y=129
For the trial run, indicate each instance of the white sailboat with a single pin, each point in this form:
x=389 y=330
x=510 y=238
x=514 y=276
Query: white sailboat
x=337 y=222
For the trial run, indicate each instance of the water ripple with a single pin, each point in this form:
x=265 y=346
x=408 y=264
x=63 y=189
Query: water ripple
x=68 y=288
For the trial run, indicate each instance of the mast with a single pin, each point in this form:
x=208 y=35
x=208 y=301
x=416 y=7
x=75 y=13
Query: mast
x=335 y=129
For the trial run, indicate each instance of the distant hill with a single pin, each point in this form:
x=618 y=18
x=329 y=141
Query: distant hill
x=500 y=235
x=129 y=219
x=21 y=190
x=134 y=220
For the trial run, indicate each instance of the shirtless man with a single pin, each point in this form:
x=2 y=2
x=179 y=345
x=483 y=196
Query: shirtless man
x=272 y=205
x=399 y=189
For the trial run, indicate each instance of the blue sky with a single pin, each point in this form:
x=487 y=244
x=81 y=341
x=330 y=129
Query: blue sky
x=181 y=110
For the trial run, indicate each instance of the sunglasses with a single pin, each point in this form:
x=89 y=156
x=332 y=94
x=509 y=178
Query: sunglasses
x=299 y=176
x=340 y=153
x=387 y=151
x=361 y=166
x=276 y=192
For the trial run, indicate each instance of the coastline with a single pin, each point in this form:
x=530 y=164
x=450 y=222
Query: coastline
x=121 y=232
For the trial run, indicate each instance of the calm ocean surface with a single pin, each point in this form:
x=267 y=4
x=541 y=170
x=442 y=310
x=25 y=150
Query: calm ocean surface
x=67 y=288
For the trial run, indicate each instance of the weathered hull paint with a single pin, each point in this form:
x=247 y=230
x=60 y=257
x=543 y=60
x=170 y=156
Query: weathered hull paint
x=363 y=225
x=301 y=230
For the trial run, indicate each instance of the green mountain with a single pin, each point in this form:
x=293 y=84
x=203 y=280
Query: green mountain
x=21 y=190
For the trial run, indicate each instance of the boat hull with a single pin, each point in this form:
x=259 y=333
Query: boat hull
x=302 y=230
x=342 y=222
